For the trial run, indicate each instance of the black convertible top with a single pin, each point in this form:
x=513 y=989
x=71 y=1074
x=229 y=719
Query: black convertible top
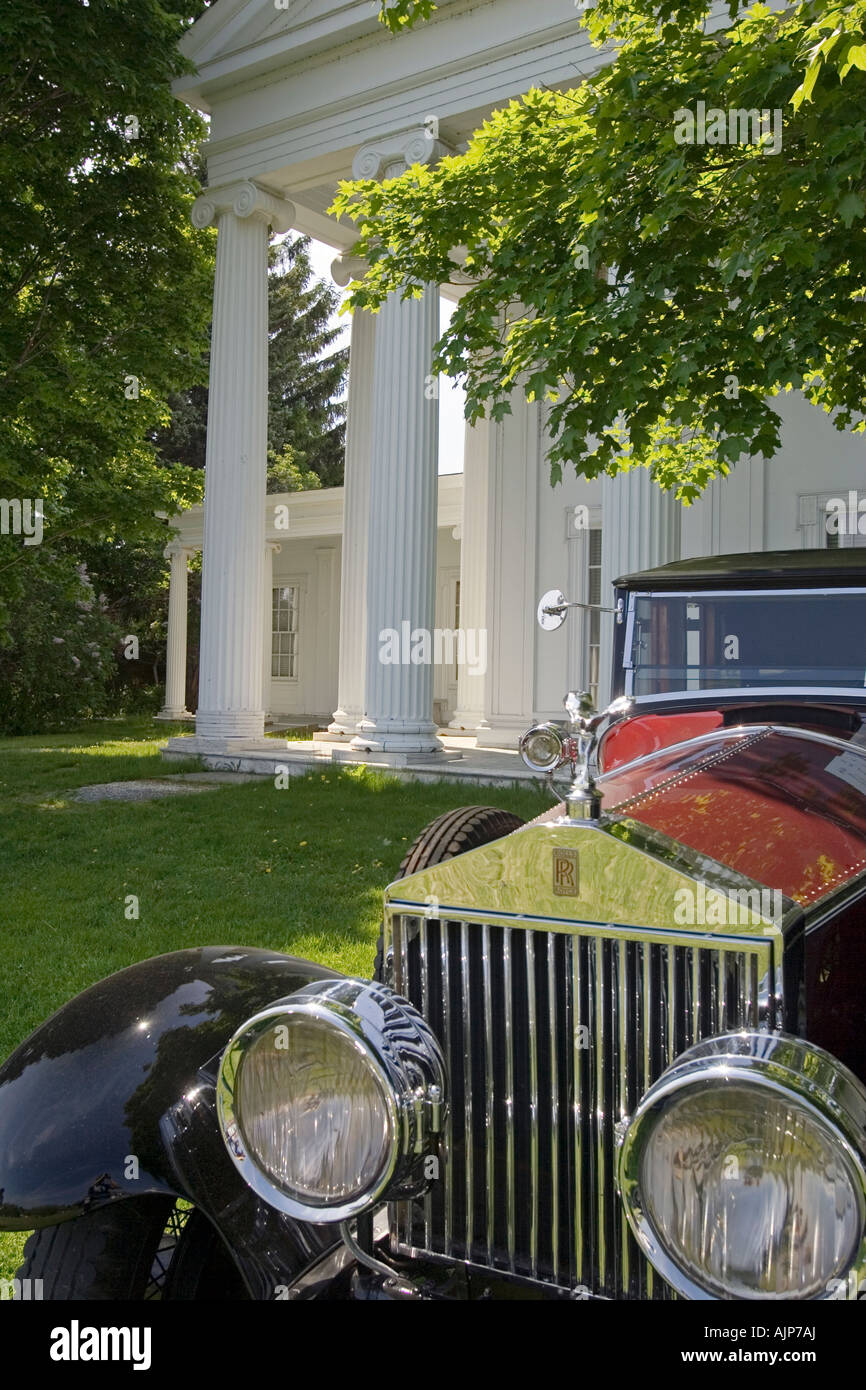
x=759 y=569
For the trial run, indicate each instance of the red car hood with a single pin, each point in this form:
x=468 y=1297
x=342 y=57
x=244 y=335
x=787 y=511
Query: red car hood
x=785 y=807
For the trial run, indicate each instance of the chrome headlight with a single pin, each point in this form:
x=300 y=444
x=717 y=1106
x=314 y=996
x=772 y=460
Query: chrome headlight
x=544 y=747
x=330 y=1101
x=742 y=1171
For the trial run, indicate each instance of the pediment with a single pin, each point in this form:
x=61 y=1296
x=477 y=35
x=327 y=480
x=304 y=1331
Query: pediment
x=238 y=29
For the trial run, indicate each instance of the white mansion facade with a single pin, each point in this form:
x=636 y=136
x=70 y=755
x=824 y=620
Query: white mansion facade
x=297 y=589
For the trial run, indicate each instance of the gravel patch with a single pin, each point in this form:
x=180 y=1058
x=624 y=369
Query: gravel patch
x=136 y=791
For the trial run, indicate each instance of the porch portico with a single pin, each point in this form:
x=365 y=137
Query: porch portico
x=299 y=98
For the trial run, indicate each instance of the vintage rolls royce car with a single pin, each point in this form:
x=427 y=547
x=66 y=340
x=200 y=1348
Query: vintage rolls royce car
x=616 y=1053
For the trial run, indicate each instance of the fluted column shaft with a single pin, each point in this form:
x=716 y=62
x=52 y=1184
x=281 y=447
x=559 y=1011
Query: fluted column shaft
x=402 y=527
x=640 y=529
x=471 y=681
x=230 y=674
x=175 y=656
x=230 y=689
x=356 y=516
x=401 y=532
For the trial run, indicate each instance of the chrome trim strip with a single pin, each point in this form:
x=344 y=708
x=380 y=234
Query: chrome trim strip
x=622 y=1014
x=509 y=1098
x=648 y=1006
x=533 y=1104
x=596 y=1036
x=401 y=987
x=577 y=1110
x=449 y=1109
x=467 y=1086
x=425 y=1009
x=554 y=1104
x=575 y=927
x=831 y=591
x=628 y=640
x=737 y=692
x=671 y=1010
x=490 y=1135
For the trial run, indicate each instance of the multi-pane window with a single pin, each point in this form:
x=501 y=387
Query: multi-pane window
x=844 y=523
x=284 y=630
x=833 y=520
x=593 y=627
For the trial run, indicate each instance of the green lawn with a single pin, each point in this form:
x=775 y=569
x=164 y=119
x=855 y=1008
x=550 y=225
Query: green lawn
x=299 y=870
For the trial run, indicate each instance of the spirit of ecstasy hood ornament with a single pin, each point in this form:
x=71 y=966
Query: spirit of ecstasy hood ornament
x=546 y=747
x=583 y=798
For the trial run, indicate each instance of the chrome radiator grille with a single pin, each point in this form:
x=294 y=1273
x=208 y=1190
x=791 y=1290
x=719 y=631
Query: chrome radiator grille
x=551 y=1038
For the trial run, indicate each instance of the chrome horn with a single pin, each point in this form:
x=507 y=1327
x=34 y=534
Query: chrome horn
x=546 y=747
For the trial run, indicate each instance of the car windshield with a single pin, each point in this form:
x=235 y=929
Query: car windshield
x=805 y=639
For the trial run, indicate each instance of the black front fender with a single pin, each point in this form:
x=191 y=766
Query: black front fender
x=98 y=1104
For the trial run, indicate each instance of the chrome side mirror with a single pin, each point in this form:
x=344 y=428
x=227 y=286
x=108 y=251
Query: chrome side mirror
x=553 y=609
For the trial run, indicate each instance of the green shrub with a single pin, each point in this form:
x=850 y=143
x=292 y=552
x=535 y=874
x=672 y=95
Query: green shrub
x=59 y=659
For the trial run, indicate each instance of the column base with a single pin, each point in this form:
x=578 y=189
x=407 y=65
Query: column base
x=397 y=736
x=505 y=735
x=197 y=745
x=344 y=722
x=173 y=716
x=230 y=724
x=393 y=758
x=466 y=721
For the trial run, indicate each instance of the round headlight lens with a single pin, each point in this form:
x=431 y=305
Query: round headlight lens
x=314 y=1111
x=740 y=1171
x=755 y=1195
x=542 y=748
x=331 y=1100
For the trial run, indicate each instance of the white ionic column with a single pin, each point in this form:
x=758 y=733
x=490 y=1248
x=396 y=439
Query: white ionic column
x=175 y=654
x=230 y=709
x=518 y=469
x=640 y=528
x=401 y=547
x=356 y=515
x=401 y=575
x=472 y=682
x=272 y=548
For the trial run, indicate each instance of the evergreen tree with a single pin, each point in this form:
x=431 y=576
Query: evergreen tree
x=306 y=379
x=306 y=372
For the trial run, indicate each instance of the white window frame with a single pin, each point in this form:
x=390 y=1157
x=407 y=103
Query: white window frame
x=812 y=515
x=288 y=582
x=579 y=620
